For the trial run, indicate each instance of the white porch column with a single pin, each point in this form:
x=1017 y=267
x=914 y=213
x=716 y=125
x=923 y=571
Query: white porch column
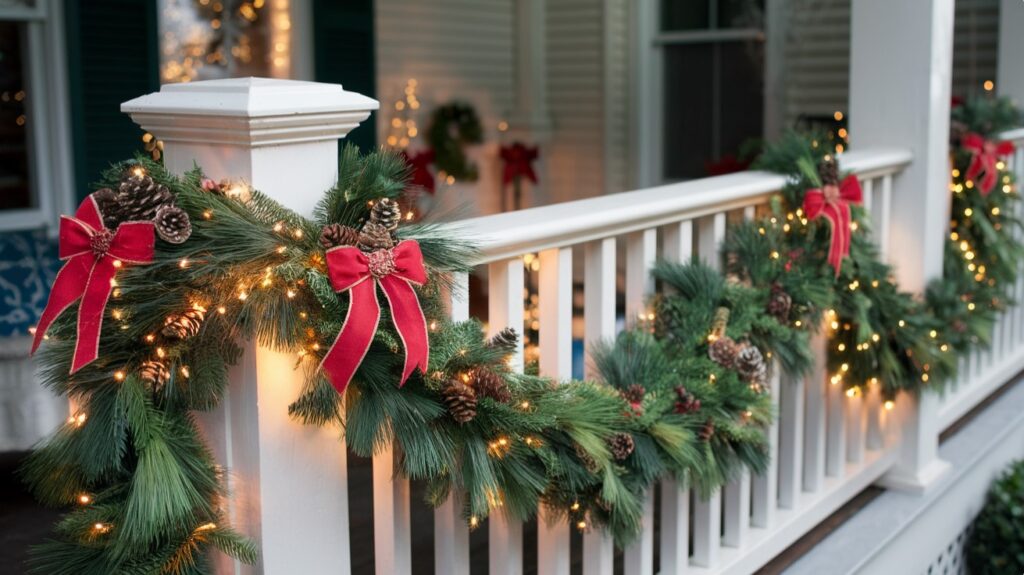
x=288 y=481
x=904 y=101
x=1009 y=75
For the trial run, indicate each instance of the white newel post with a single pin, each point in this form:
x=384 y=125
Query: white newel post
x=288 y=481
x=900 y=83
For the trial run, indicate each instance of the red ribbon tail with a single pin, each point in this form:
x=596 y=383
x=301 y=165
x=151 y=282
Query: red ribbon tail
x=839 y=217
x=355 y=336
x=410 y=323
x=66 y=290
x=90 y=313
x=975 y=167
x=989 y=181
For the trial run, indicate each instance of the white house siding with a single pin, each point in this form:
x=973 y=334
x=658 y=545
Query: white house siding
x=456 y=50
x=575 y=152
x=818 y=53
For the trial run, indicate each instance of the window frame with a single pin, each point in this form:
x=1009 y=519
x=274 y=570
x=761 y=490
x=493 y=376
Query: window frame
x=648 y=99
x=51 y=169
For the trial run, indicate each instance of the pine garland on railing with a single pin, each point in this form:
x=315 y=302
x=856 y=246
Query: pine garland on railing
x=684 y=393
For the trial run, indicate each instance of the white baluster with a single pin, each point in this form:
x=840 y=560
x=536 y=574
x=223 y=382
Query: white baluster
x=855 y=426
x=835 y=440
x=707 y=529
x=710 y=233
x=736 y=510
x=599 y=321
x=814 y=424
x=884 y=217
x=675 y=527
x=678 y=241
x=791 y=436
x=641 y=251
x=868 y=187
x=505 y=309
x=874 y=437
x=451 y=532
x=555 y=295
x=391 y=533
x=765 y=486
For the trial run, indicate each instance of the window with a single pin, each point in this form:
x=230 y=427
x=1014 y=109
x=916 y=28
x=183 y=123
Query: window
x=712 y=84
x=35 y=165
x=212 y=39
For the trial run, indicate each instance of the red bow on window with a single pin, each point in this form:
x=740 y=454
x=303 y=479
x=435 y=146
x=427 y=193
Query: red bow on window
x=395 y=271
x=93 y=254
x=984 y=156
x=833 y=203
x=518 y=159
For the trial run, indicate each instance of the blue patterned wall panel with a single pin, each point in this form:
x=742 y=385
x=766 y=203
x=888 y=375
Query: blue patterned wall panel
x=28 y=264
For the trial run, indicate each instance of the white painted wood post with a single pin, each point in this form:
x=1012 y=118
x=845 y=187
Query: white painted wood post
x=505 y=309
x=288 y=481
x=1009 y=76
x=555 y=303
x=599 y=324
x=905 y=102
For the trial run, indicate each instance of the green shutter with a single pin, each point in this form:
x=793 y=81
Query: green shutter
x=343 y=46
x=112 y=57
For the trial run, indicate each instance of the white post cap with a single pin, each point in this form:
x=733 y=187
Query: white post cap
x=250 y=111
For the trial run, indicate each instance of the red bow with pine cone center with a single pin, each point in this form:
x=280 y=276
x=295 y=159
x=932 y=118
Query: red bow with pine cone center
x=93 y=255
x=833 y=203
x=396 y=271
x=518 y=159
x=985 y=155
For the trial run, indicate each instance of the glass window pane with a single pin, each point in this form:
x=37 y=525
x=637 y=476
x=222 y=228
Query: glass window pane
x=685 y=15
x=740 y=14
x=15 y=143
x=714 y=95
x=211 y=39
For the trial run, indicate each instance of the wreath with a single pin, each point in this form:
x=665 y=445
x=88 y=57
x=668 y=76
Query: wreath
x=453 y=127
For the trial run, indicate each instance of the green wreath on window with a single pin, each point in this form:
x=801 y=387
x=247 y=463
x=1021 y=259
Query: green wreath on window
x=452 y=127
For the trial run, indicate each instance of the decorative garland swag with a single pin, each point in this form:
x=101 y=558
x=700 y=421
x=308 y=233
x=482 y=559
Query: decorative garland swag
x=685 y=395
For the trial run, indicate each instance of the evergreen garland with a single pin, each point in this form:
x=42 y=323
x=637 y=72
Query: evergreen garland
x=685 y=395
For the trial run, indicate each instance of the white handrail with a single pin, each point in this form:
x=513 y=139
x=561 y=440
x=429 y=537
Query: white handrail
x=579 y=221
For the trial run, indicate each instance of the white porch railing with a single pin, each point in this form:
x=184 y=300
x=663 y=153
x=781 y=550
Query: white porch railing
x=826 y=447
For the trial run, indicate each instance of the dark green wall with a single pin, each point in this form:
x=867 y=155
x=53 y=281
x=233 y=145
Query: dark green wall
x=112 y=57
x=343 y=45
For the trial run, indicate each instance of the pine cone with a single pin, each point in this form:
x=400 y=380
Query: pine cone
x=828 y=171
x=585 y=458
x=386 y=213
x=486 y=383
x=106 y=201
x=461 y=401
x=779 y=303
x=634 y=394
x=185 y=325
x=172 y=224
x=338 y=235
x=621 y=446
x=375 y=237
x=707 y=431
x=723 y=351
x=750 y=363
x=139 y=197
x=505 y=340
x=155 y=373
x=686 y=402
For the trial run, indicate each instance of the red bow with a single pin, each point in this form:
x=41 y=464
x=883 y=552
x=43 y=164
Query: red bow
x=421 y=174
x=395 y=271
x=984 y=155
x=518 y=159
x=833 y=202
x=93 y=254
